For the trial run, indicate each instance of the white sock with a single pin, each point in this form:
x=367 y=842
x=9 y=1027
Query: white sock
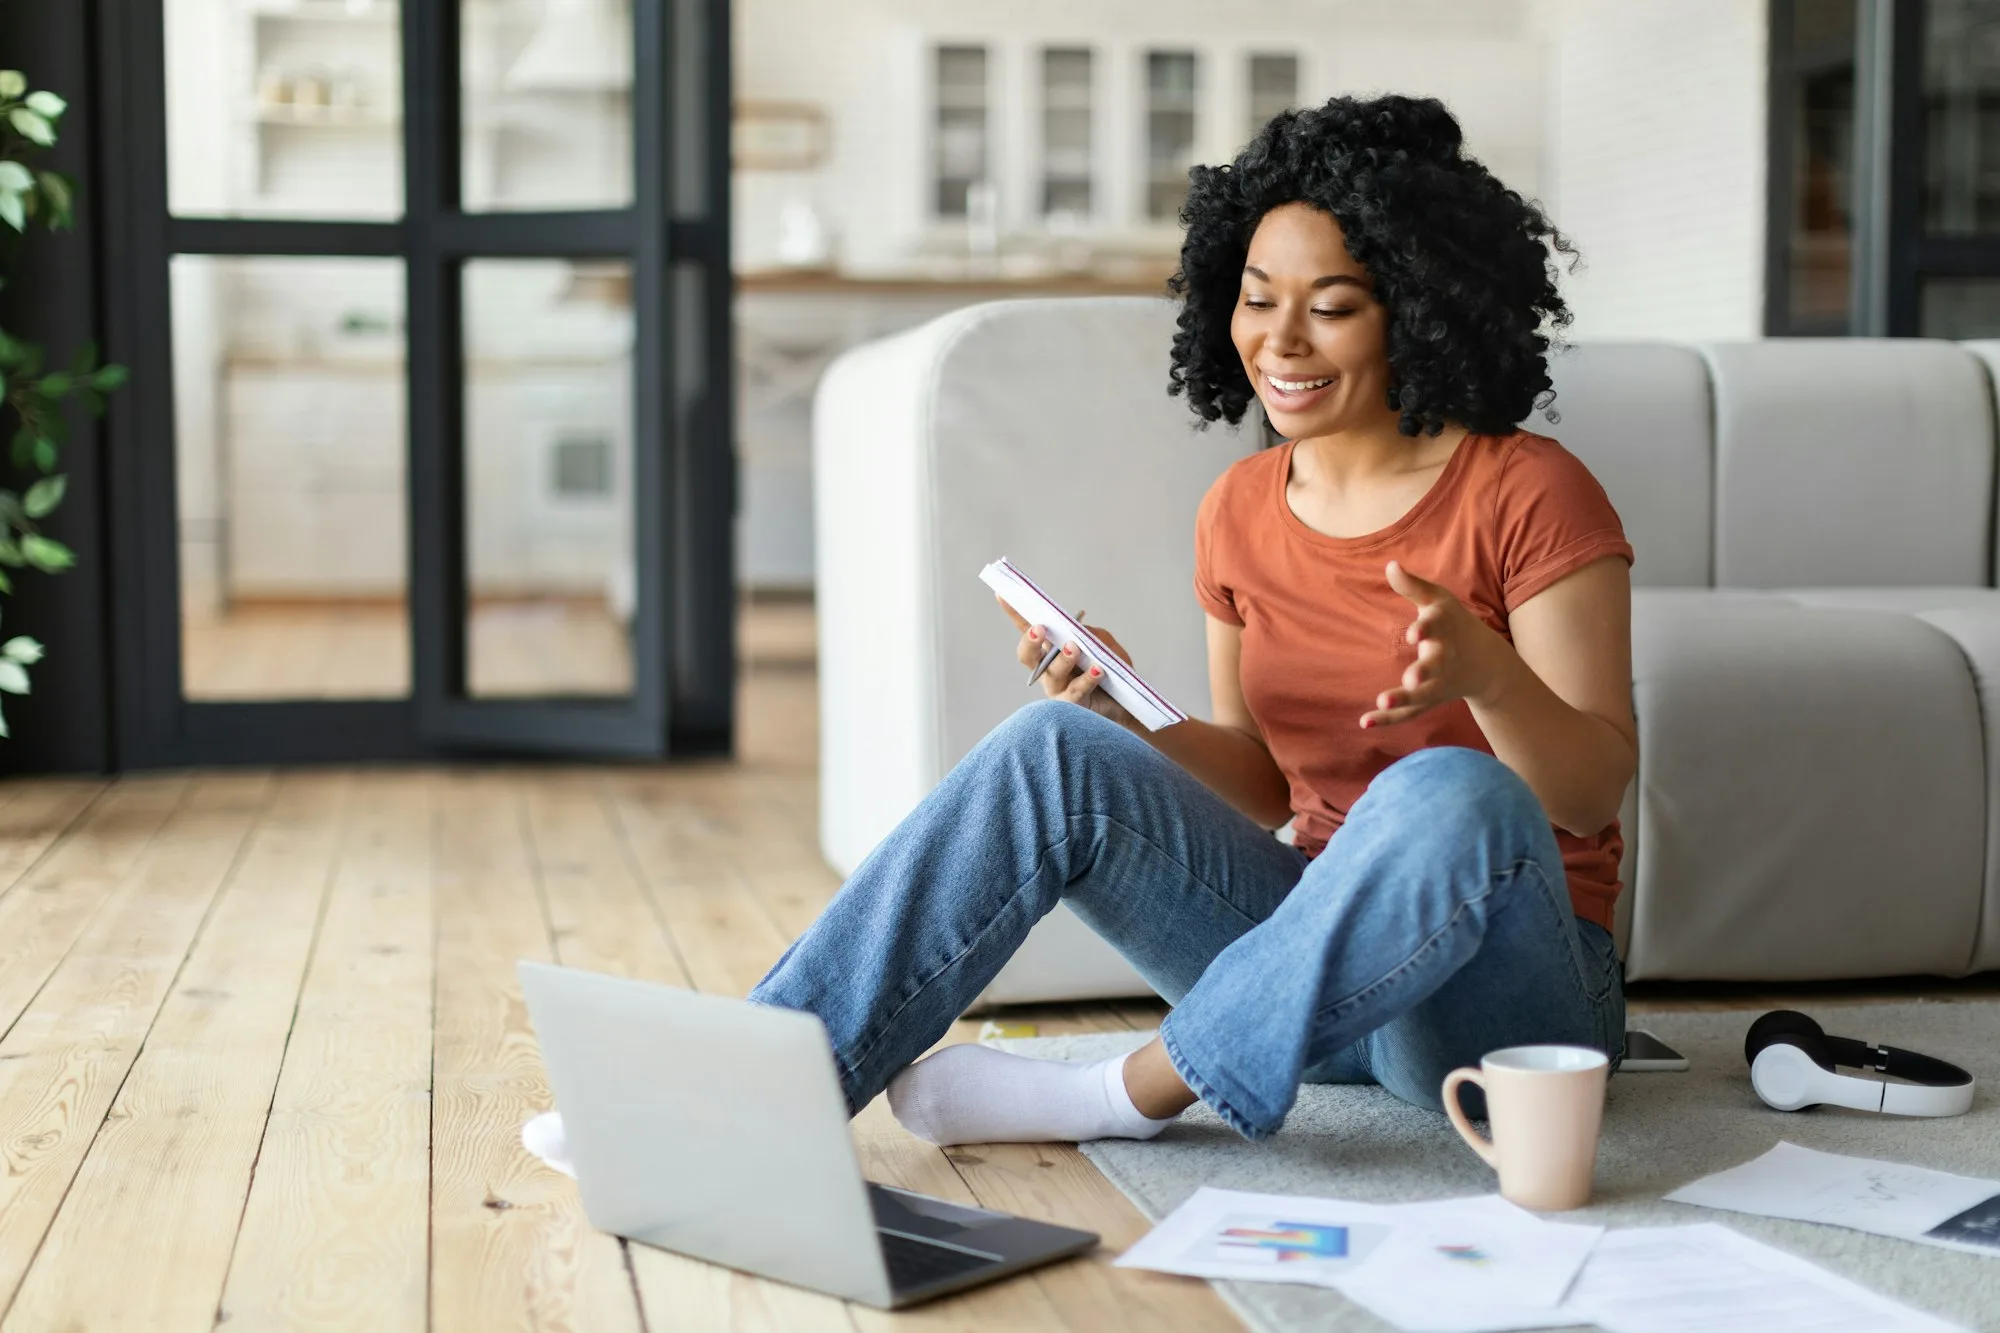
x=543 y=1136
x=975 y=1094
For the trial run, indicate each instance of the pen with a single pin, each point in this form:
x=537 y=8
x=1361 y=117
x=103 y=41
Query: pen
x=1049 y=656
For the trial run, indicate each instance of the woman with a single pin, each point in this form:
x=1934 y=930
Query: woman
x=1419 y=656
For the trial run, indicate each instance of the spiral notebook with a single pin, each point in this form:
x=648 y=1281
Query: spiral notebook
x=1120 y=681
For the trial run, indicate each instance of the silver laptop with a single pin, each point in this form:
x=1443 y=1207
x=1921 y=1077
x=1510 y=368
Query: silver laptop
x=716 y=1128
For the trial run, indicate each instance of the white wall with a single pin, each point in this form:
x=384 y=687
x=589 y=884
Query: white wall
x=1657 y=161
x=866 y=63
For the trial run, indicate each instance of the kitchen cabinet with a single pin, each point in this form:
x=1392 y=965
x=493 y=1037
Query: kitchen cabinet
x=314 y=472
x=313 y=459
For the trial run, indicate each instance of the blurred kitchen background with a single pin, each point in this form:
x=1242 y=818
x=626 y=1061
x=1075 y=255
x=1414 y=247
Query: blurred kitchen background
x=893 y=159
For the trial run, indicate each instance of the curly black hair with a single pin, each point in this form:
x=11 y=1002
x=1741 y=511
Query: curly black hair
x=1463 y=264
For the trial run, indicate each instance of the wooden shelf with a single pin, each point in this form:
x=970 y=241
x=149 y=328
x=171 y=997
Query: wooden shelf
x=332 y=117
x=805 y=281
x=321 y=11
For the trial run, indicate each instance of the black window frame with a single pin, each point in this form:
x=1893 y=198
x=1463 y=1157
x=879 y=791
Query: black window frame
x=1893 y=257
x=674 y=234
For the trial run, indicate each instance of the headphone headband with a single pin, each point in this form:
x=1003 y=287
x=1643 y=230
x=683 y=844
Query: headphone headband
x=1799 y=1071
x=1897 y=1063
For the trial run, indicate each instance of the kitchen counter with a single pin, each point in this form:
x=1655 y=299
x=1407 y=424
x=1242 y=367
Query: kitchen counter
x=1144 y=281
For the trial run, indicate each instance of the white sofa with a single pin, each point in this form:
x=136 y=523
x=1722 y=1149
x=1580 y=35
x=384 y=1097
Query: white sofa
x=1816 y=635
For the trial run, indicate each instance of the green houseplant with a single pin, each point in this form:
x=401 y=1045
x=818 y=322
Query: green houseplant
x=34 y=394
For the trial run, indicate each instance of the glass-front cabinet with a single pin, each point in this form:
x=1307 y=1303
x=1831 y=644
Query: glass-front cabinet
x=1084 y=140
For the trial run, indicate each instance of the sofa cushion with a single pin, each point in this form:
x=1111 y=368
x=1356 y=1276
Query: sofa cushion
x=1987 y=352
x=1637 y=414
x=1905 y=601
x=1811 y=794
x=1850 y=462
x=1977 y=633
x=1971 y=616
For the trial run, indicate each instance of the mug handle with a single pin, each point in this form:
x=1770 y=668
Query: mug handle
x=1452 y=1082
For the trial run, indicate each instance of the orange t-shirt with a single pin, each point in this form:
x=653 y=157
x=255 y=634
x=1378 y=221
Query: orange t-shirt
x=1323 y=630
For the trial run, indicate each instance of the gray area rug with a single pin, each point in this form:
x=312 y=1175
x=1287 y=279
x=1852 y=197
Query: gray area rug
x=1660 y=1132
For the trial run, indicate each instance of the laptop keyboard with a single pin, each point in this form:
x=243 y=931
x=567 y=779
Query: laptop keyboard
x=914 y=1263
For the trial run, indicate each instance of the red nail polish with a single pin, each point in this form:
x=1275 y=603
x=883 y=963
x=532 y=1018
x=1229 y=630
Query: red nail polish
x=1095 y=673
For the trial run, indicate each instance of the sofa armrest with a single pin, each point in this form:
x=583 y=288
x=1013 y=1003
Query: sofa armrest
x=1811 y=793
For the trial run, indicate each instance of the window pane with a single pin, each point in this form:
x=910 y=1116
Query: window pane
x=1170 y=101
x=1960 y=308
x=289 y=454
x=1274 y=87
x=1962 y=116
x=548 y=477
x=1819 y=83
x=545 y=104
x=961 y=128
x=284 y=108
x=1066 y=134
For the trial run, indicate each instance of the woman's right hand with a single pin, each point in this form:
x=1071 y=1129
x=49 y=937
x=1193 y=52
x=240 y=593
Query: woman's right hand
x=1068 y=677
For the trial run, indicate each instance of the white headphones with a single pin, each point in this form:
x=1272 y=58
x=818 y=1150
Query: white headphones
x=1792 y=1064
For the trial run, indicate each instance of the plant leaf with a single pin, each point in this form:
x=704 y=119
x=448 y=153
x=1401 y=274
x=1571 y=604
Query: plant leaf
x=86 y=357
x=4 y=733
x=46 y=104
x=61 y=199
x=22 y=648
x=31 y=126
x=10 y=553
x=13 y=677
x=45 y=453
x=54 y=384
x=12 y=83
x=109 y=378
x=44 y=496
x=46 y=554
x=14 y=176
x=12 y=211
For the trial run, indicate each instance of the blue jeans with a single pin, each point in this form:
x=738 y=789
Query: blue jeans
x=1435 y=927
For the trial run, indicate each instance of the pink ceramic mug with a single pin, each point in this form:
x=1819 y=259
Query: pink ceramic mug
x=1546 y=1104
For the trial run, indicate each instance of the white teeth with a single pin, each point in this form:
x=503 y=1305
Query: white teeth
x=1297 y=386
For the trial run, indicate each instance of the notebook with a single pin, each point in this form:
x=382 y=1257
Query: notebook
x=1120 y=681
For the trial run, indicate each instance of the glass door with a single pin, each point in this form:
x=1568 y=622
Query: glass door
x=1955 y=275
x=431 y=440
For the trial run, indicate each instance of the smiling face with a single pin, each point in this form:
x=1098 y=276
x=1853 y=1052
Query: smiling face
x=1313 y=338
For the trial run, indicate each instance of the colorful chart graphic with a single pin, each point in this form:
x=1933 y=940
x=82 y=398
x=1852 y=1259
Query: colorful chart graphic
x=1289 y=1241
x=1242 y=1243
x=1465 y=1254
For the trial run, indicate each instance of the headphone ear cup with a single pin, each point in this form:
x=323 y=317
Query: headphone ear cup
x=1784 y=1077
x=1794 y=1029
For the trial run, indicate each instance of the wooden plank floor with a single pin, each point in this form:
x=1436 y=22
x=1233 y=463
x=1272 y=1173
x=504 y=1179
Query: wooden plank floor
x=263 y=1060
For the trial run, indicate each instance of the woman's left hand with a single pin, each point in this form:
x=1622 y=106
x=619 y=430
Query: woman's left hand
x=1459 y=656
